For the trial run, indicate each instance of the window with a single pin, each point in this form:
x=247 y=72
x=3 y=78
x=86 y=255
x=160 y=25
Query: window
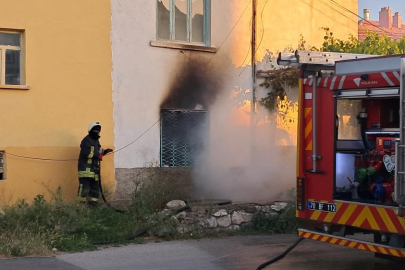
x=10 y=58
x=183 y=21
x=347 y=111
x=182 y=137
x=2 y=173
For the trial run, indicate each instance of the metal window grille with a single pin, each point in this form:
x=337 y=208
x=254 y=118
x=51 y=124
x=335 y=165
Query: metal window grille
x=2 y=173
x=182 y=136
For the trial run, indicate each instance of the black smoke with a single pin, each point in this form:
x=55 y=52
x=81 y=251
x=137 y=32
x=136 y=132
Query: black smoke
x=193 y=85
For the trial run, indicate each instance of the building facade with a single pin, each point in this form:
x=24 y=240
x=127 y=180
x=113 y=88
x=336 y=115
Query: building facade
x=55 y=79
x=177 y=63
x=171 y=81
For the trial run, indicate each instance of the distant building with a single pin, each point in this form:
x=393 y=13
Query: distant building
x=387 y=24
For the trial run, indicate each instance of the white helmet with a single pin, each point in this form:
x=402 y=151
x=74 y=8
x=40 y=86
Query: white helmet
x=94 y=124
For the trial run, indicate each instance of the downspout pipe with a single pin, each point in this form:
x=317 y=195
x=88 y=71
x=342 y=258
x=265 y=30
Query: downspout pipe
x=254 y=101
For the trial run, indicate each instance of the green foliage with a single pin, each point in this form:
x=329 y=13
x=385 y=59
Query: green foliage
x=67 y=227
x=279 y=83
x=37 y=228
x=272 y=223
x=372 y=44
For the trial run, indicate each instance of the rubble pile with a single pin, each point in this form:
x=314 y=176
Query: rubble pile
x=216 y=217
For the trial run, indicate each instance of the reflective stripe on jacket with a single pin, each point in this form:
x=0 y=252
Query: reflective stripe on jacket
x=89 y=163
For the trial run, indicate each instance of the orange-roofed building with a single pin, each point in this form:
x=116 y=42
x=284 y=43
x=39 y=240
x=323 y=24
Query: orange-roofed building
x=387 y=24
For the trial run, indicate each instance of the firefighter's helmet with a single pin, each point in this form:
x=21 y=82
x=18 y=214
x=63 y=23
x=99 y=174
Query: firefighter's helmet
x=94 y=124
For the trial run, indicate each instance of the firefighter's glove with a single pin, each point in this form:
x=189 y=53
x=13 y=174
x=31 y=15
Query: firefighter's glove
x=100 y=157
x=106 y=151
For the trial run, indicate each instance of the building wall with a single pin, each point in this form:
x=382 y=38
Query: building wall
x=143 y=74
x=68 y=69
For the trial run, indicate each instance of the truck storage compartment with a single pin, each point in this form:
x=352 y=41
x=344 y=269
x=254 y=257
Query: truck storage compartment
x=367 y=128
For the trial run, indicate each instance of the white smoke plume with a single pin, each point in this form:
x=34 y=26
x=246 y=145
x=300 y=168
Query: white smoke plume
x=245 y=164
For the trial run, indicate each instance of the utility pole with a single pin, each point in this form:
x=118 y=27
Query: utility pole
x=254 y=99
x=253 y=122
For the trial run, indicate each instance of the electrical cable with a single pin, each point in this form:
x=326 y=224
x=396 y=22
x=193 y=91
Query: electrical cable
x=64 y=160
x=341 y=13
x=38 y=158
x=348 y=10
x=261 y=39
x=322 y=12
x=250 y=47
x=261 y=16
x=281 y=256
x=140 y=136
x=233 y=28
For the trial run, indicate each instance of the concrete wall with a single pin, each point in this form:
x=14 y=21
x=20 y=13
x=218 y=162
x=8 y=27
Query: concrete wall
x=177 y=181
x=68 y=69
x=143 y=75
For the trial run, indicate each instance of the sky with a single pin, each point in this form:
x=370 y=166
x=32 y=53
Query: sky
x=376 y=5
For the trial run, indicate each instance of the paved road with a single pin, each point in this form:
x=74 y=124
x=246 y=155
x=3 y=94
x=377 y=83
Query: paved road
x=233 y=253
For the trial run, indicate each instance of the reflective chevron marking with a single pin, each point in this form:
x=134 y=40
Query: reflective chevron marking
x=364 y=216
x=352 y=243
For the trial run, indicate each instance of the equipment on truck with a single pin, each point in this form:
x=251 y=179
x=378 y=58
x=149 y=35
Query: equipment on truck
x=351 y=149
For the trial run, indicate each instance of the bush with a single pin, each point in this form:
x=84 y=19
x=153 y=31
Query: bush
x=272 y=223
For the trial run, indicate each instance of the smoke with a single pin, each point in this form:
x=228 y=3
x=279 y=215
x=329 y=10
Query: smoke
x=244 y=163
x=193 y=86
x=238 y=162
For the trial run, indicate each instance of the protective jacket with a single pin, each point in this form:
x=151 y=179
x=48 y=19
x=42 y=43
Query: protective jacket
x=89 y=158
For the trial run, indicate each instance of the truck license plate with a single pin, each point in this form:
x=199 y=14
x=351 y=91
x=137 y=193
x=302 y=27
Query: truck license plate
x=319 y=206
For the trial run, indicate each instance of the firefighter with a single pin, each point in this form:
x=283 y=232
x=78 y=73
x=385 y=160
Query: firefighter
x=90 y=156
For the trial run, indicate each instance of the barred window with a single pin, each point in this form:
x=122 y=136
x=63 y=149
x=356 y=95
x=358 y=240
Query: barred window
x=183 y=133
x=2 y=173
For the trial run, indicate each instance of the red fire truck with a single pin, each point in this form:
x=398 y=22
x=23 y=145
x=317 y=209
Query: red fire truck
x=351 y=149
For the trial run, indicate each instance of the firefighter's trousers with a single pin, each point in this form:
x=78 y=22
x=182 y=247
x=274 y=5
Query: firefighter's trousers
x=89 y=191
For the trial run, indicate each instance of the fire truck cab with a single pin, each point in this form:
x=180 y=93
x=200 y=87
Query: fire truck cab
x=351 y=147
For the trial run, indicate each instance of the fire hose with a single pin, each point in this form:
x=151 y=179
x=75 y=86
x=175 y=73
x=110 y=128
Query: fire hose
x=135 y=235
x=142 y=232
x=281 y=256
x=103 y=196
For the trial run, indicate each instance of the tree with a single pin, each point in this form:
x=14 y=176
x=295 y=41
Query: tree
x=372 y=44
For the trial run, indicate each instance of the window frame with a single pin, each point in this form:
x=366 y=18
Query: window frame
x=207 y=24
x=21 y=49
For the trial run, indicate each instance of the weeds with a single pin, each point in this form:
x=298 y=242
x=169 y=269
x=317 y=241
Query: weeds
x=38 y=228
x=273 y=223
